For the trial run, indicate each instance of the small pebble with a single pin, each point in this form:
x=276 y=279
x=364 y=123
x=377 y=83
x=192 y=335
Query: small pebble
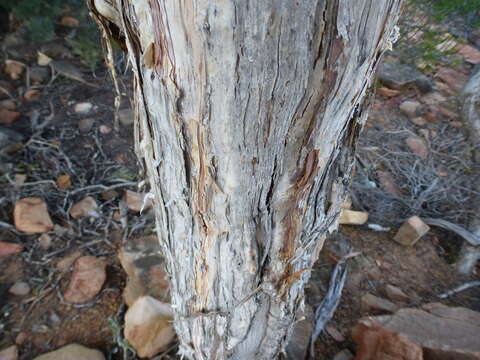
x=20 y=288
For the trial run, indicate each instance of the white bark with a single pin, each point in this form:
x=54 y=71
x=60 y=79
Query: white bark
x=247 y=117
x=469 y=255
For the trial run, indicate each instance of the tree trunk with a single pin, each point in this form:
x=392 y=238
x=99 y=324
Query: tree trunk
x=469 y=254
x=247 y=117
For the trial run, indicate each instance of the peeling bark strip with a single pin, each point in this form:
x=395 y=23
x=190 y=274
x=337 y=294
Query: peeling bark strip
x=247 y=117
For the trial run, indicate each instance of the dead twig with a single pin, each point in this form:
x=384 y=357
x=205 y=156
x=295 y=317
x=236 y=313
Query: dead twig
x=471 y=238
x=329 y=304
x=460 y=288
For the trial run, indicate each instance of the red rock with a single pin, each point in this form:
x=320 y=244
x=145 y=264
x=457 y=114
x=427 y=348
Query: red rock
x=7 y=117
x=85 y=207
x=69 y=21
x=386 y=92
x=135 y=201
x=87 y=279
x=9 y=248
x=454 y=79
x=31 y=216
x=148 y=326
x=471 y=54
x=434 y=332
x=64 y=182
x=417 y=146
x=66 y=262
x=377 y=343
x=32 y=94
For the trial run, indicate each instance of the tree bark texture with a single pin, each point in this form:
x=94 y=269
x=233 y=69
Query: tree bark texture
x=247 y=117
x=469 y=255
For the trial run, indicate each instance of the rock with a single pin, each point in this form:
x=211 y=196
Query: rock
x=20 y=288
x=72 y=352
x=344 y=355
x=21 y=338
x=43 y=59
x=146 y=276
x=297 y=347
x=126 y=117
x=7 y=248
x=434 y=98
x=375 y=343
x=87 y=207
x=347 y=204
x=56 y=50
x=410 y=108
x=8 y=104
x=31 y=216
x=334 y=333
x=83 y=108
x=419 y=121
x=436 y=331
x=470 y=54
x=105 y=129
x=417 y=146
x=109 y=195
x=14 y=69
x=386 y=92
x=399 y=76
x=135 y=201
x=411 y=231
x=10 y=353
x=39 y=74
x=45 y=241
x=447 y=114
x=87 y=279
x=396 y=294
x=66 y=262
x=148 y=326
x=85 y=125
x=8 y=117
x=69 y=21
x=64 y=181
x=32 y=95
x=387 y=183
x=453 y=78
x=375 y=303
x=350 y=217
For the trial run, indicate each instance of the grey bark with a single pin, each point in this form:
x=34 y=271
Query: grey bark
x=470 y=254
x=247 y=117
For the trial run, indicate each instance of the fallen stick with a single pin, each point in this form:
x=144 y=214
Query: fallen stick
x=460 y=288
x=329 y=304
x=471 y=238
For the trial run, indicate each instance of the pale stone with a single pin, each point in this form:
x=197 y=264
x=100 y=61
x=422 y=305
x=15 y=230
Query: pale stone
x=10 y=353
x=72 y=352
x=20 y=288
x=148 y=326
x=411 y=231
x=375 y=303
x=351 y=217
x=135 y=201
x=31 y=216
x=410 y=108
